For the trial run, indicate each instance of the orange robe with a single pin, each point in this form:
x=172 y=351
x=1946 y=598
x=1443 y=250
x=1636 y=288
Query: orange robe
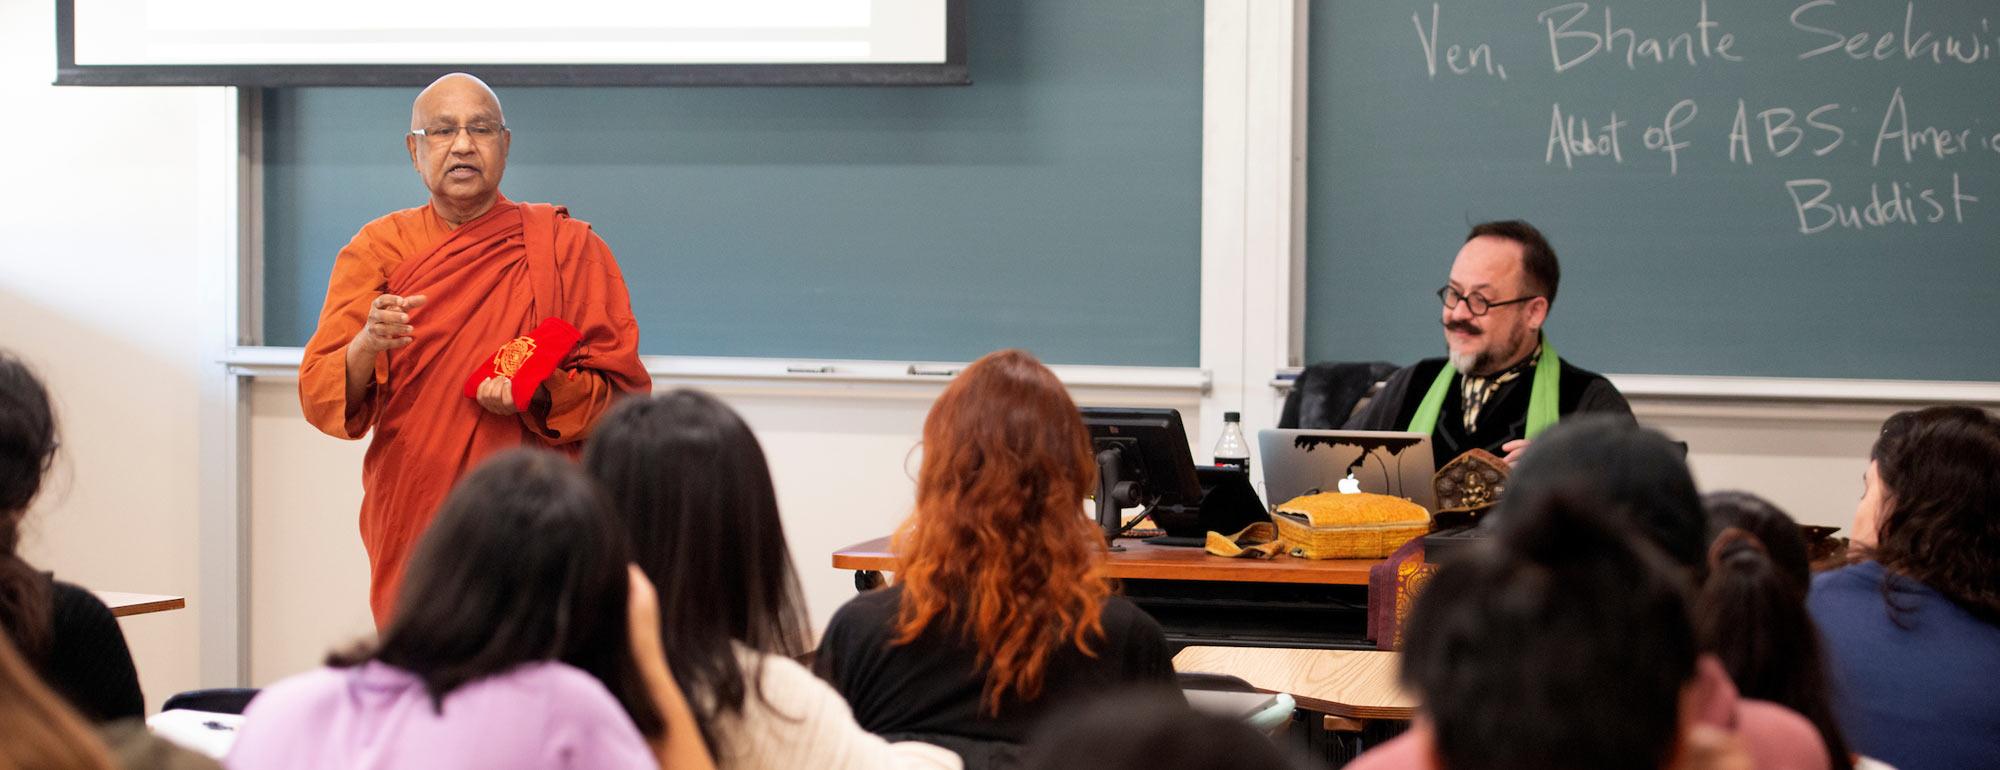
x=487 y=281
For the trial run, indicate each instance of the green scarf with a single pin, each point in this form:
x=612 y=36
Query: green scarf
x=1542 y=398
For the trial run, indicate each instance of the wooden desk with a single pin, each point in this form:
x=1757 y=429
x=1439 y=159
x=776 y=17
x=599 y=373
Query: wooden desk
x=1145 y=561
x=124 y=604
x=1200 y=599
x=1356 y=684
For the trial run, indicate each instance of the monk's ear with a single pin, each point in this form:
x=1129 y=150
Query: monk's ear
x=410 y=144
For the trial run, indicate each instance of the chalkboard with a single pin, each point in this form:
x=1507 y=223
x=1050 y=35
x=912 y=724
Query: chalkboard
x=1804 y=188
x=1054 y=204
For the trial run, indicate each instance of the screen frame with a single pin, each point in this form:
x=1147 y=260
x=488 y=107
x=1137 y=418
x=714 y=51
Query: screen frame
x=952 y=72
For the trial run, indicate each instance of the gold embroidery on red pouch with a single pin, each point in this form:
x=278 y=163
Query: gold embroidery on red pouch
x=512 y=355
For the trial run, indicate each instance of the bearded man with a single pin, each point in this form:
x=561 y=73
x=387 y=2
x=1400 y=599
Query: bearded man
x=1501 y=382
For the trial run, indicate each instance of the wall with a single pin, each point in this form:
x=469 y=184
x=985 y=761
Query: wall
x=98 y=292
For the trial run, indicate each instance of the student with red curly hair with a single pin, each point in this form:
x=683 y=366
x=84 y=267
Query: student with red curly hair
x=1001 y=611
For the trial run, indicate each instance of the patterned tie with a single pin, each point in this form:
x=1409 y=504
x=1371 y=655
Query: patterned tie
x=1476 y=391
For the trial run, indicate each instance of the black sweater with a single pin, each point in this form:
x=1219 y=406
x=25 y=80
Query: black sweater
x=1504 y=419
x=87 y=661
x=929 y=690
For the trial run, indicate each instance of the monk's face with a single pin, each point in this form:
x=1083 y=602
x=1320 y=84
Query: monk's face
x=463 y=151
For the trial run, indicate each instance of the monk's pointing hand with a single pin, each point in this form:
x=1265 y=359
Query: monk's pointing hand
x=388 y=324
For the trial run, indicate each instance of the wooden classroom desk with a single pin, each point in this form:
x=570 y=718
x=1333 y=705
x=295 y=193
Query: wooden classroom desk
x=1355 y=684
x=1210 y=600
x=1145 y=561
x=124 y=604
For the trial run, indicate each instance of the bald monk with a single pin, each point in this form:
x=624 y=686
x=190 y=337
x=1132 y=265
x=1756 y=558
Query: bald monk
x=421 y=302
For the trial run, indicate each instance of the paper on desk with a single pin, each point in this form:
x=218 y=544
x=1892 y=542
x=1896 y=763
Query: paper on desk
x=204 y=731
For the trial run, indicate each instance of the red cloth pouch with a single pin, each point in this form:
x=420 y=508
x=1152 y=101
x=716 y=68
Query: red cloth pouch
x=528 y=360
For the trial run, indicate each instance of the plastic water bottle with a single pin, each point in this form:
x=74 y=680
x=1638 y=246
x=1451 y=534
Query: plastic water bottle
x=1231 y=450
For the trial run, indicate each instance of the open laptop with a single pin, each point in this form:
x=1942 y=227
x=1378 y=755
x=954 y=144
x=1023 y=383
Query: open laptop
x=1299 y=462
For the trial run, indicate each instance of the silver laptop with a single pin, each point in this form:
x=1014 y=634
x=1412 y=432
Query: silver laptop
x=1299 y=462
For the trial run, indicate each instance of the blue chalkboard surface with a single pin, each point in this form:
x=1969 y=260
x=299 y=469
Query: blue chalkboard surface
x=1805 y=188
x=1054 y=204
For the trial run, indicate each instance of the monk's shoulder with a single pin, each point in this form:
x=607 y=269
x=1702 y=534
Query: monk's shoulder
x=396 y=235
x=577 y=238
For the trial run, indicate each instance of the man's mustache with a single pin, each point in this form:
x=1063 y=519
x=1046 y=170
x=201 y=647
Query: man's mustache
x=1462 y=327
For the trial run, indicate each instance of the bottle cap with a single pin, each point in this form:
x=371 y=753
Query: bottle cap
x=1232 y=416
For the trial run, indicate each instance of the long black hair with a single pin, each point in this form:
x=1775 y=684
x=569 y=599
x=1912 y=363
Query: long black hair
x=688 y=480
x=1751 y=612
x=522 y=564
x=27 y=450
x=1941 y=468
x=1562 y=643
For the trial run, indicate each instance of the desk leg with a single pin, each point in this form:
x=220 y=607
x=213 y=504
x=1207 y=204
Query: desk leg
x=866 y=580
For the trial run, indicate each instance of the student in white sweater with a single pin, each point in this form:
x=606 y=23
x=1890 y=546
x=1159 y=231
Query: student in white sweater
x=689 y=481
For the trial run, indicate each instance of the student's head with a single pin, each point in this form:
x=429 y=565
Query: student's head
x=27 y=448
x=27 y=436
x=1750 y=612
x=1734 y=516
x=1498 y=296
x=687 y=480
x=1637 y=473
x=998 y=544
x=37 y=729
x=1934 y=484
x=1149 y=730
x=522 y=564
x=1562 y=643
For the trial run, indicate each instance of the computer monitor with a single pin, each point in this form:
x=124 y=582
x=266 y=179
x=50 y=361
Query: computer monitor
x=1142 y=460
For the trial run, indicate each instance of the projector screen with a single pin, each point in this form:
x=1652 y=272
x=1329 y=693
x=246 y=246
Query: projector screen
x=510 y=42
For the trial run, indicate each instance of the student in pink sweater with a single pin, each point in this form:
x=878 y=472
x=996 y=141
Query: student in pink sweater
x=521 y=641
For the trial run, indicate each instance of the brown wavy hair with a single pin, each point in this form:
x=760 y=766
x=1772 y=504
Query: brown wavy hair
x=998 y=548
x=1941 y=468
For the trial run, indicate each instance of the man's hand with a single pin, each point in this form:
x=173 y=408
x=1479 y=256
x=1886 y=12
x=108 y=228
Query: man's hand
x=387 y=328
x=388 y=325
x=1513 y=451
x=496 y=395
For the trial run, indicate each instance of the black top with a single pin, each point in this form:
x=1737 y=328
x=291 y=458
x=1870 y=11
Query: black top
x=1503 y=419
x=929 y=689
x=88 y=662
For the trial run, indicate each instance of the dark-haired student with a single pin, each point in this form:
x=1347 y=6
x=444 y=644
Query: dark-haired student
x=689 y=483
x=1149 y=729
x=1645 y=490
x=1913 y=632
x=1001 y=612
x=521 y=641
x=63 y=630
x=1751 y=612
x=1565 y=643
